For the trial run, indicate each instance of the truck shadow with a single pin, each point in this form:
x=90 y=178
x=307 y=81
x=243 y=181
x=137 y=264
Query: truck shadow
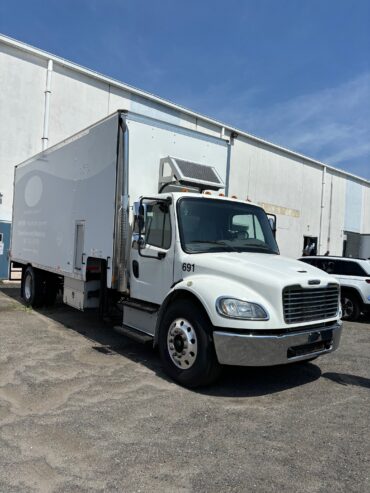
x=363 y=319
x=258 y=381
x=234 y=382
x=347 y=379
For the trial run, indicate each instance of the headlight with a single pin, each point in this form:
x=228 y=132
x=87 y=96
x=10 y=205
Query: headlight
x=233 y=308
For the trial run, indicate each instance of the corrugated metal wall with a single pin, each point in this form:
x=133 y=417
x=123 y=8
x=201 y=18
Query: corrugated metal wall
x=307 y=201
x=354 y=207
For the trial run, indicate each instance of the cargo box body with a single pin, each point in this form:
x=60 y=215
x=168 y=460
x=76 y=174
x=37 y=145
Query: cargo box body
x=64 y=202
x=66 y=199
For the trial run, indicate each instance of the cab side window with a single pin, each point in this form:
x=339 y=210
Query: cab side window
x=158 y=225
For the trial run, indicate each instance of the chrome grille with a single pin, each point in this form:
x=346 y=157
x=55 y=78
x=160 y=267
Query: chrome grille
x=308 y=304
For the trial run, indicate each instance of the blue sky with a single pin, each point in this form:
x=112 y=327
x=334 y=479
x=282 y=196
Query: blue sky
x=295 y=72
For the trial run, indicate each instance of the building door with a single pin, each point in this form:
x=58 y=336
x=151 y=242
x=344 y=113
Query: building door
x=309 y=245
x=4 y=249
x=351 y=248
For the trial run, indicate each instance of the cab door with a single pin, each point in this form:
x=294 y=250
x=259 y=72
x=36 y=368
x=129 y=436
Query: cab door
x=152 y=252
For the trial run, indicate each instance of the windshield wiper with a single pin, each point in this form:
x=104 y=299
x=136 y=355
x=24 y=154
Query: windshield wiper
x=261 y=247
x=216 y=242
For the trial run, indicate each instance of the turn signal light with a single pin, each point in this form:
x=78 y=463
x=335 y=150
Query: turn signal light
x=234 y=197
x=207 y=193
x=221 y=195
x=367 y=280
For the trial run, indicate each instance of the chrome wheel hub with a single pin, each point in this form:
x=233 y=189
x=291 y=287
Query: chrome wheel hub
x=182 y=343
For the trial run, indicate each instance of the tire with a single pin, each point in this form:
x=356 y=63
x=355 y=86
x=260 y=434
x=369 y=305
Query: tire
x=186 y=329
x=32 y=287
x=350 y=307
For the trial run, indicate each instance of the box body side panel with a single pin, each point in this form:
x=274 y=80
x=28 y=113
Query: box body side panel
x=68 y=184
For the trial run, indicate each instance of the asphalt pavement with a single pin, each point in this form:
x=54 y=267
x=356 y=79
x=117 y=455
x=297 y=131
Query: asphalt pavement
x=84 y=409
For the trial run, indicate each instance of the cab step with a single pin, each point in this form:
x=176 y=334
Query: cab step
x=144 y=306
x=134 y=334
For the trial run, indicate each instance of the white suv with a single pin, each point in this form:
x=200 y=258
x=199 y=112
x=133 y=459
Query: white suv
x=354 y=277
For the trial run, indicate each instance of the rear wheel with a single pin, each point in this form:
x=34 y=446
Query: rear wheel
x=350 y=307
x=32 y=287
x=186 y=346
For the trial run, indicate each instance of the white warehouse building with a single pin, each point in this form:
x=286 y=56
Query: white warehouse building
x=44 y=99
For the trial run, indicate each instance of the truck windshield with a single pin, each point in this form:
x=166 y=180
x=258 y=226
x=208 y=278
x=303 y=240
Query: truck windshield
x=209 y=225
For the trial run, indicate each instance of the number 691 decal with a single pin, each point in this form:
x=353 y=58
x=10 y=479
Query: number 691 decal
x=188 y=267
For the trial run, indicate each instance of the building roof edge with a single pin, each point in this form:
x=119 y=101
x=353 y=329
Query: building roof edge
x=152 y=97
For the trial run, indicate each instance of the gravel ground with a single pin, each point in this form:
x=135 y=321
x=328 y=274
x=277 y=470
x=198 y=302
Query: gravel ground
x=84 y=409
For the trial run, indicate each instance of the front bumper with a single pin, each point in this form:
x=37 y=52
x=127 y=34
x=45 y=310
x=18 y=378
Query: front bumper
x=256 y=349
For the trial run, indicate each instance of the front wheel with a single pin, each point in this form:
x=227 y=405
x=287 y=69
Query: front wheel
x=350 y=307
x=186 y=346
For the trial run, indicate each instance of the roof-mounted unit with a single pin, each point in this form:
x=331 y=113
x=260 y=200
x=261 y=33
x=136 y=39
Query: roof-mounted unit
x=175 y=173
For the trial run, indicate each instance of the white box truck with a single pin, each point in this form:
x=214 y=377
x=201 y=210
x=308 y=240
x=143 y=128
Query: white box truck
x=129 y=211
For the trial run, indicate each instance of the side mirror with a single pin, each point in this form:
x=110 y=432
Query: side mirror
x=139 y=211
x=272 y=221
x=138 y=240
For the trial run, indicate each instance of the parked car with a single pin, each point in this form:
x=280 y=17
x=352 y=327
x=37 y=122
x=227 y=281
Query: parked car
x=354 y=277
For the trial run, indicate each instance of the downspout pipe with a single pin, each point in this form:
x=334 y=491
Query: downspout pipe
x=230 y=143
x=330 y=213
x=228 y=163
x=45 y=130
x=323 y=180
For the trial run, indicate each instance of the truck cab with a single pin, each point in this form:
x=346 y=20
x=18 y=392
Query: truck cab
x=209 y=268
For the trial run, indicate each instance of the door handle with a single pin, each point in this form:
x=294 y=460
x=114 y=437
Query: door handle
x=135 y=268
